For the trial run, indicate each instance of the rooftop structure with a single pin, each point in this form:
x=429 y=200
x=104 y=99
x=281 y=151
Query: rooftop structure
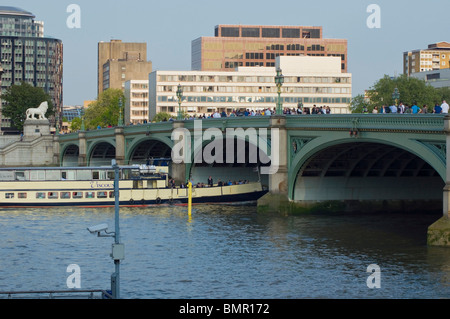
x=435 y=57
x=119 y=62
x=241 y=46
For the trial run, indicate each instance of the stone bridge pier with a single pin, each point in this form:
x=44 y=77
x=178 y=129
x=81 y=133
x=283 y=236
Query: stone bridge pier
x=439 y=232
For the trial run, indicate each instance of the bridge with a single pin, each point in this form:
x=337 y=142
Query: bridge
x=364 y=162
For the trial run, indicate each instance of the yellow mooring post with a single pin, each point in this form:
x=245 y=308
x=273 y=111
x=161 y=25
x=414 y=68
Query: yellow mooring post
x=190 y=199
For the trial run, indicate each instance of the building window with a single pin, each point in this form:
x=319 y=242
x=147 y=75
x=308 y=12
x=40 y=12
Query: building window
x=230 y=32
x=250 y=32
x=291 y=33
x=270 y=33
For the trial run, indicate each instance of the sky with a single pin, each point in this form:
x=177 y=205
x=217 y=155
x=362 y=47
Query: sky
x=168 y=28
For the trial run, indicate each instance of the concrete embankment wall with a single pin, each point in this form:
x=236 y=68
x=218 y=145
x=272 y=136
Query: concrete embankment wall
x=29 y=152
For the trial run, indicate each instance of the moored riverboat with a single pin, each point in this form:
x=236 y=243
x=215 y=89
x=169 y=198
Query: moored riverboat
x=139 y=185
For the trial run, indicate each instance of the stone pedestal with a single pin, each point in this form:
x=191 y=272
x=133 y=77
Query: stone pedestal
x=439 y=233
x=36 y=128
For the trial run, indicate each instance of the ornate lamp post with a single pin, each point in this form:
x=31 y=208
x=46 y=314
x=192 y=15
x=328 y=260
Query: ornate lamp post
x=396 y=96
x=83 y=126
x=279 y=81
x=180 y=98
x=120 y=123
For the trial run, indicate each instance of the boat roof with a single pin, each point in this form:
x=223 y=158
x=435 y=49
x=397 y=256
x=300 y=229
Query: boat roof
x=63 y=168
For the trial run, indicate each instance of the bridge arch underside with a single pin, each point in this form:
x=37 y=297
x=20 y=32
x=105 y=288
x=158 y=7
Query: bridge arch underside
x=70 y=156
x=377 y=177
x=222 y=162
x=148 y=151
x=102 y=154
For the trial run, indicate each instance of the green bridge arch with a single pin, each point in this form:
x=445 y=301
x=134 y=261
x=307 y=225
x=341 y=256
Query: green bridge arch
x=422 y=146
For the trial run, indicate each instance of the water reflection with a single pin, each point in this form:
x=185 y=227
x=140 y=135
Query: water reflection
x=225 y=252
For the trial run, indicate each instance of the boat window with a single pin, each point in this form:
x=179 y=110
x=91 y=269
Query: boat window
x=37 y=175
x=22 y=195
x=63 y=175
x=102 y=194
x=77 y=194
x=20 y=176
x=95 y=175
x=65 y=195
x=9 y=195
x=52 y=195
x=111 y=194
x=111 y=174
x=125 y=173
x=40 y=195
x=90 y=194
x=69 y=175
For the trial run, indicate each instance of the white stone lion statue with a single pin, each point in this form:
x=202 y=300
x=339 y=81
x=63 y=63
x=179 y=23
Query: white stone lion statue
x=40 y=111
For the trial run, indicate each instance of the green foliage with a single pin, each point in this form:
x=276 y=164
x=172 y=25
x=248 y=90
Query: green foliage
x=75 y=125
x=161 y=117
x=105 y=110
x=358 y=104
x=412 y=91
x=20 y=98
x=444 y=94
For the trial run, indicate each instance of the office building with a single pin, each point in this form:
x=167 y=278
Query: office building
x=435 y=57
x=71 y=112
x=136 y=102
x=437 y=78
x=246 y=46
x=28 y=56
x=119 y=62
x=307 y=80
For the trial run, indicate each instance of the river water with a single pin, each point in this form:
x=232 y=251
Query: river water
x=225 y=252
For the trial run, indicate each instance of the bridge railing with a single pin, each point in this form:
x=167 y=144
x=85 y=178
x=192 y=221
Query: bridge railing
x=418 y=123
x=382 y=122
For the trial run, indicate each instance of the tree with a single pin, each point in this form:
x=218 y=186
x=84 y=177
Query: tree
x=75 y=125
x=444 y=94
x=412 y=91
x=359 y=103
x=20 y=98
x=105 y=110
x=161 y=117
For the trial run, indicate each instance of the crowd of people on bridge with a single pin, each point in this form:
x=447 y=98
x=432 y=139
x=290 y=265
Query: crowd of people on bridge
x=410 y=109
x=324 y=109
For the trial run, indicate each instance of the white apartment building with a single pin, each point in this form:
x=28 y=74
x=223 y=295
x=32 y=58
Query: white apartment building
x=308 y=80
x=136 y=102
